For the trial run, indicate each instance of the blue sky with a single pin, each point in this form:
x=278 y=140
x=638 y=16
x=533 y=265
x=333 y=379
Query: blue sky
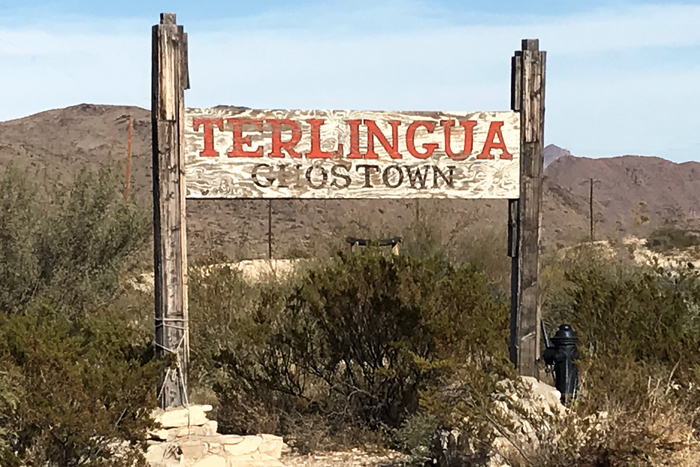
x=623 y=77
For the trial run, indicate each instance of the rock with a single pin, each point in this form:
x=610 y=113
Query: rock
x=160 y=435
x=193 y=449
x=163 y=454
x=195 y=415
x=208 y=429
x=521 y=403
x=247 y=445
x=211 y=461
x=189 y=439
x=546 y=396
x=214 y=448
x=229 y=439
x=271 y=445
x=155 y=453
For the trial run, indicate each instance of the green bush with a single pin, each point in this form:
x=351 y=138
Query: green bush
x=639 y=334
x=77 y=375
x=634 y=324
x=468 y=241
x=672 y=237
x=81 y=392
x=222 y=306
x=69 y=244
x=355 y=346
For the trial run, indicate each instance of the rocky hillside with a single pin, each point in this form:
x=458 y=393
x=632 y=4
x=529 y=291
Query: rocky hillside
x=553 y=152
x=632 y=194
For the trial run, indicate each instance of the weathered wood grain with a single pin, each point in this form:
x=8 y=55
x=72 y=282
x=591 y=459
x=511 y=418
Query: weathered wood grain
x=184 y=83
x=168 y=209
x=529 y=71
x=341 y=176
x=513 y=253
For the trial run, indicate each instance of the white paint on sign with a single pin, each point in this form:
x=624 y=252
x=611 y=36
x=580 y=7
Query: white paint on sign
x=233 y=152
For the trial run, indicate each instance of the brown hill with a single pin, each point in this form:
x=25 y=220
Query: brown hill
x=633 y=194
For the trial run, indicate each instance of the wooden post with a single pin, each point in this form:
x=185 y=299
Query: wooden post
x=128 y=160
x=269 y=229
x=590 y=210
x=592 y=182
x=169 y=79
x=528 y=86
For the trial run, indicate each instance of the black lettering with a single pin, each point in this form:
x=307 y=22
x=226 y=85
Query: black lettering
x=257 y=180
x=368 y=174
x=436 y=171
x=324 y=177
x=345 y=176
x=282 y=176
x=417 y=176
x=386 y=176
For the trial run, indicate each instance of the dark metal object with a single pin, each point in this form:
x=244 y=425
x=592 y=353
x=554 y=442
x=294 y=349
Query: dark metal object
x=544 y=335
x=393 y=242
x=382 y=242
x=549 y=369
x=563 y=354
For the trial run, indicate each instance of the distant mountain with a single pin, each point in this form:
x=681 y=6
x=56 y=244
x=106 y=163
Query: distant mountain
x=552 y=153
x=632 y=194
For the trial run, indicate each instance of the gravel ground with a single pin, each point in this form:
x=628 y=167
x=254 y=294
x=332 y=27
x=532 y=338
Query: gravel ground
x=351 y=458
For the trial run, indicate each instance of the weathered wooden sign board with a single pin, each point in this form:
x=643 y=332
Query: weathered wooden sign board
x=241 y=153
x=232 y=152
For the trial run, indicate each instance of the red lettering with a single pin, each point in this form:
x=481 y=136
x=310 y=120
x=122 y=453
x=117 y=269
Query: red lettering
x=468 y=138
x=209 y=124
x=373 y=131
x=494 y=131
x=316 y=152
x=411 y=143
x=354 y=139
x=278 y=144
x=238 y=139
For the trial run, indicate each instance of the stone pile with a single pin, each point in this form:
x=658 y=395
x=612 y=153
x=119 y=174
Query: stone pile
x=187 y=438
x=520 y=405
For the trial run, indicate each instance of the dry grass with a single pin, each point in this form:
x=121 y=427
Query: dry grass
x=658 y=433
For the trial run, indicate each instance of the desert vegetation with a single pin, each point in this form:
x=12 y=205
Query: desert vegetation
x=354 y=349
x=76 y=360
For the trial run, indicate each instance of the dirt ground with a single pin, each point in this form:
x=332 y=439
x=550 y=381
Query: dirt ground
x=351 y=458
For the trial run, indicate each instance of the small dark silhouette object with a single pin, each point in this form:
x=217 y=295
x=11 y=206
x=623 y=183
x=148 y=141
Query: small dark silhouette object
x=562 y=354
x=393 y=242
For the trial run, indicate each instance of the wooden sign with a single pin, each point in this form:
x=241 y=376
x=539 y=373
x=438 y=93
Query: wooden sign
x=233 y=152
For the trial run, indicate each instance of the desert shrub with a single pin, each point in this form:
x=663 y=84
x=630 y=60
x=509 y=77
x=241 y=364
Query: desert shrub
x=468 y=241
x=658 y=433
x=672 y=237
x=632 y=322
x=67 y=243
x=224 y=309
x=86 y=387
x=486 y=247
x=76 y=377
x=357 y=345
x=19 y=268
x=639 y=367
x=639 y=316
